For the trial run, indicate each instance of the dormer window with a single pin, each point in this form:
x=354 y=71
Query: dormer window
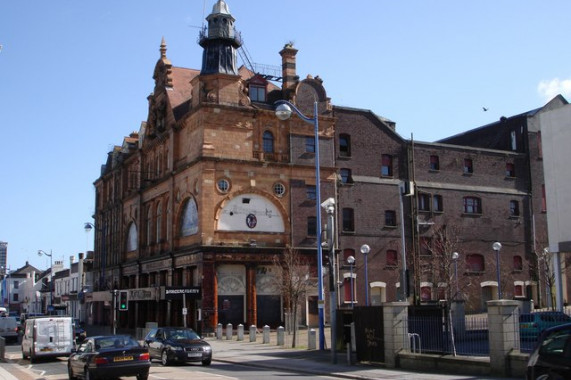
x=257 y=93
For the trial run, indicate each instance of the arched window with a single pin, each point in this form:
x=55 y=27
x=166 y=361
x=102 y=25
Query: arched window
x=189 y=218
x=159 y=224
x=132 y=238
x=268 y=142
x=149 y=225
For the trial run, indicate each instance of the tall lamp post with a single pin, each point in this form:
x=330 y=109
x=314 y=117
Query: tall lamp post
x=88 y=227
x=455 y=256
x=365 y=249
x=497 y=246
x=351 y=262
x=40 y=253
x=283 y=112
x=329 y=206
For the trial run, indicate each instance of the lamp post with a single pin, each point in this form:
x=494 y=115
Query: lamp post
x=365 y=249
x=329 y=206
x=283 y=112
x=40 y=253
x=351 y=262
x=88 y=227
x=497 y=246
x=455 y=256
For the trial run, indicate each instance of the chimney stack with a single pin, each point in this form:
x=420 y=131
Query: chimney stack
x=289 y=76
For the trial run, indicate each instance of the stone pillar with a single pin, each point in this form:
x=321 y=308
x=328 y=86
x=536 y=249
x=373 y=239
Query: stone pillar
x=229 y=331
x=394 y=322
x=503 y=332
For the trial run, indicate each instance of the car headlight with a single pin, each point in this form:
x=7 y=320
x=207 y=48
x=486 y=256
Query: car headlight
x=176 y=348
x=207 y=348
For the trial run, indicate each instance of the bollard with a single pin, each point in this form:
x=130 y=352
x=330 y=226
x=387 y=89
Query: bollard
x=311 y=340
x=229 y=331
x=281 y=337
x=266 y=336
x=240 y=332
x=219 y=331
x=349 y=354
x=252 y=333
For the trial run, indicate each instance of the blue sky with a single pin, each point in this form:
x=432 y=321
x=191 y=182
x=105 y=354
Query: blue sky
x=74 y=77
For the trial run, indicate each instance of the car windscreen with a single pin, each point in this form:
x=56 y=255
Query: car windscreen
x=182 y=334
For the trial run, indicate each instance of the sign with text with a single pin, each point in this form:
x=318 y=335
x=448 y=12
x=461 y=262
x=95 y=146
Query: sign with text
x=193 y=292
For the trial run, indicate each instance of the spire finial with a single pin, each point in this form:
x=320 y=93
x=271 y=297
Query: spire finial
x=163 y=48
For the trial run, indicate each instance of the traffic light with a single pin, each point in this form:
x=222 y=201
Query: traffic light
x=123 y=300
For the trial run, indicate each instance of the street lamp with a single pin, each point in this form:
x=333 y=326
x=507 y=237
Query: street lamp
x=497 y=246
x=329 y=206
x=351 y=262
x=40 y=253
x=88 y=227
x=455 y=256
x=283 y=112
x=365 y=249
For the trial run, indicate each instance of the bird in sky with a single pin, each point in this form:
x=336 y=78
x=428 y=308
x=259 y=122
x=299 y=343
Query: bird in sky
x=485 y=109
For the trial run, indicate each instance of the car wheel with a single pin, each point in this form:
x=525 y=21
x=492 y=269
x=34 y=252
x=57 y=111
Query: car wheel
x=165 y=358
x=70 y=373
x=206 y=362
x=143 y=376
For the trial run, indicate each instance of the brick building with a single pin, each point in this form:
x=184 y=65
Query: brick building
x=213 y=186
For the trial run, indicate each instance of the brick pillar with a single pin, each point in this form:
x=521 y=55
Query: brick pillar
x=209 y=296
x=503 y=332
x=394 y=319
x=251 y=313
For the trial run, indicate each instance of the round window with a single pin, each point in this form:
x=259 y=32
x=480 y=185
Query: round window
x=279 y=189
x=223 y=185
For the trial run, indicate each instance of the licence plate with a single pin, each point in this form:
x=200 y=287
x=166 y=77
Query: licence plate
x=194 y=354
x=122 y=358
x=46 y=349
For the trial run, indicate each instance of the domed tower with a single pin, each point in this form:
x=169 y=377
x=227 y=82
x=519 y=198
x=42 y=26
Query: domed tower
x=221 y=42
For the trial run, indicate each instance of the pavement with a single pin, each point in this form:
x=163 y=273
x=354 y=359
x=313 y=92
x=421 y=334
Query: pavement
x=271 y=356
x=312 y=362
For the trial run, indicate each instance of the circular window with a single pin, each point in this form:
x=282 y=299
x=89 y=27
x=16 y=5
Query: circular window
x=223 y=185
x=279 y=189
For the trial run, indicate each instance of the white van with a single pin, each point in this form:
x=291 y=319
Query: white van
x=9 y=329
x=47 y=337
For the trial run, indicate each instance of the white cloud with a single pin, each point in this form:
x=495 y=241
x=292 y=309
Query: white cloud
x=548 y=89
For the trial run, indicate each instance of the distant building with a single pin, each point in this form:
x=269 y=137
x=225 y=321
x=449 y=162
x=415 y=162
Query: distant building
x=3 y=258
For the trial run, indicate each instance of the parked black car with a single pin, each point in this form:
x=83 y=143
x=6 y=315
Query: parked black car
x=551 y=358
x=109 y=357
x=177 y=344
